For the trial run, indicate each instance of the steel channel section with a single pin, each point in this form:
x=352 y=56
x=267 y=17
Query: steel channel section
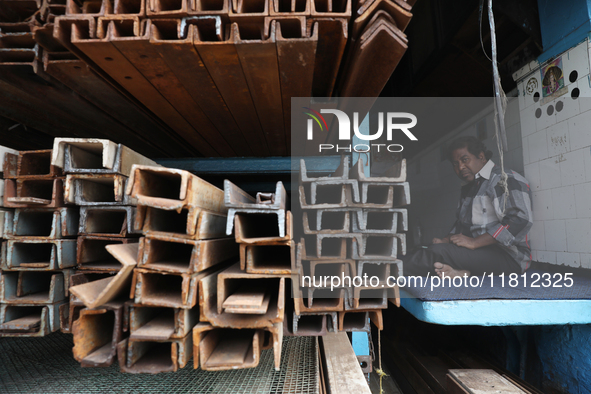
x=34 y=254
x=378 y=246
x=258 y=57
x=399 y=12
x=102 y=52
x=216 y=8
x=313 y=223
x=92 y=255
x=30 y=165
x=367 y=297
x=147 y=60
x=43 y=193
x=25 y=320
x=43 y=223
x=193 y=223
x=156 y=323
x=331 y=9
x=315 y=324
x=96 y=190
x=268 y=259
x=95 y=156
x=33 y=288
x=214 y=290
x=258 y=227
x=169 y=254
x=249 y=12
x=149 y=356
x=96 y=335
x=167 y=8
x=290 y=8
x=173 y=40
x=332 y=39
x=110 y=221
x=396 y=174
x=384 y=221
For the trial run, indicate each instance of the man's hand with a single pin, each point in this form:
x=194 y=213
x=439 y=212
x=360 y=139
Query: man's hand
x=463 y=241
x=440 y=240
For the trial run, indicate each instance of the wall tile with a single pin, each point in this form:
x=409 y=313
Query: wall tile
x=555 y=232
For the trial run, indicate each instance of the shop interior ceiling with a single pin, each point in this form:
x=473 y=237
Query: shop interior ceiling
x=445 y=58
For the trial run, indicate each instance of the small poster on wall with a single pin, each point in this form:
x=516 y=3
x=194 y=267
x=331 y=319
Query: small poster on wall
x=553 y=79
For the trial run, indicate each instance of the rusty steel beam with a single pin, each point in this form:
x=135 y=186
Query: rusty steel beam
x=325 y=248
x=217 y=8
x=268 y=259
x=181 y=225
x=42 y=193
x=96 y=156
x=378 y=246
x=173 y=40
x=102 y=52
x=328 y=197
x=398 y=10
x=91 y=253
x=248 y=12
x=386 y=221
x=48 y=223
x=169 y=254
x=327 y=221
x=99 y=189
x=360 y=320
x=159 y=324
x=6 y=222
x=167 y=8
x=130 y=7
x=380 y=269
x=238 y=201
x=262 y=305
x=70 y=312
x=262 y=228
x=111 y=221
x=319 y=300
x=368 y=297
x=395 y=174
x=149 y=356
x=296 y=54
x=384 y=195
x=25 y=320
x=218 y=53
x=172 y=189
x=314 y=324
x=332 y=39
x=99 y=292
x=90 y=8
x=33 y=254
x=258 y=57
x=28 y=287
x=220 y=349
x=331 y=9
x=31 y=164
x=290 y=8
x=3 y=151
x=96 y=335
x=134 y=43
x=166 y=289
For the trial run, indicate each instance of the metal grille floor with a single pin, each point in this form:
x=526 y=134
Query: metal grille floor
x=46 y=365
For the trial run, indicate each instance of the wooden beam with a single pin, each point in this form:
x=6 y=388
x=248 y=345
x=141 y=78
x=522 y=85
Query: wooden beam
x=343 y=373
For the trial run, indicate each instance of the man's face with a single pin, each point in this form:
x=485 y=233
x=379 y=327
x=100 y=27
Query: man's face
x=466 y=165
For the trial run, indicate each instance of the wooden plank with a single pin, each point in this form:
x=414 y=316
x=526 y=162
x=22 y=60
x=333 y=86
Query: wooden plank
x=481 y=381
x=343 y=373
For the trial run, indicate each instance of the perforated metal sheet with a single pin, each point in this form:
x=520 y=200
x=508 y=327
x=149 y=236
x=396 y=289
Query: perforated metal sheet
x=46 y=365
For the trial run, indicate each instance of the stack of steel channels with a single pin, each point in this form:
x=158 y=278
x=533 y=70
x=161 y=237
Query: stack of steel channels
x=183 y=219
x=353 y=227
x=376 y=44
x=242 y=307
x=96 y=173
x=39 y=254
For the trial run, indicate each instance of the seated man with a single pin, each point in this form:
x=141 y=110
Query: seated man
x=490 y=233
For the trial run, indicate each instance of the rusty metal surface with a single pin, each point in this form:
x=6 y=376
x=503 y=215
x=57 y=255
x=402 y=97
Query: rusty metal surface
x=289 y=8
x=166 y=289
x=325 y=301
x=155 y=323
x=368 y=297
x=6 y=221
x=138 y=356
x=215 y=289
x=28 y=287
x=30 y=165
x=96 y=156
x=326 y=248
x=262 y=228
x=24 y=320
x=219 y=349
x=378 y=221
x=92 y=255
x=40 y=223
x=99 y=189
x=97 y=333
x=315 y=324
x=335 y=222
x=331 y=9
x=34 y=254
x=384 y=194
x=378 y=246
x=395 y=174
x=396 y=9
x=167 y=8
x=24 y=193
x=169 y=254
x=269 y=259
x=192 y=223
x=217 y=8
x=380 y=269
x=110 y=221
x=354 y=321
x=173 y=189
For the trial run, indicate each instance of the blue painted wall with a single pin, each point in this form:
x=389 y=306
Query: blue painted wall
x=565 y=354
x=564 y=23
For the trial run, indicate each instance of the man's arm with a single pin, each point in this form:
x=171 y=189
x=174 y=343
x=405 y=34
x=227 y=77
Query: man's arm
x=472 y=243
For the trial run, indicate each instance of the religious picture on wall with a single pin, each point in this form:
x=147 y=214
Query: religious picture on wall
x=552 y=78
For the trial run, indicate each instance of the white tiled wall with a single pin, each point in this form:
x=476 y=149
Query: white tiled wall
x=557 y=163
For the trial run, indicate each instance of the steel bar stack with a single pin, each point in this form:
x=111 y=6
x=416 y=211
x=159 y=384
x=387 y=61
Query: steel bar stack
x=242 y=307
x=353 y=227
x=183 y=219
x=39 y=255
